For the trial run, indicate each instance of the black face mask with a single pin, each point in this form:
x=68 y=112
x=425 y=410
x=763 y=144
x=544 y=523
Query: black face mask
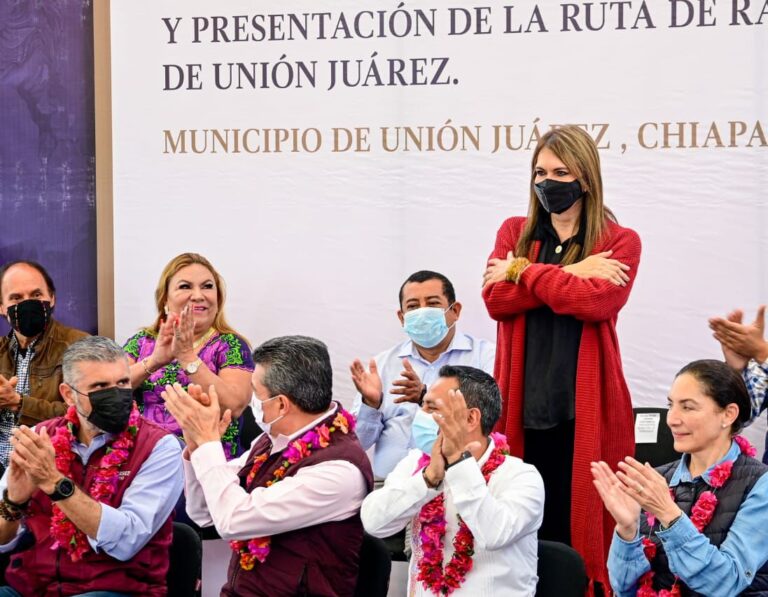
x=111 y=408
x=30 y=317
x=556 y=196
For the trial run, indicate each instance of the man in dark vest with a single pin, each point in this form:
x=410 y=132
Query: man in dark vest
x=291 y=506
x=30 y=355
x=87 y=497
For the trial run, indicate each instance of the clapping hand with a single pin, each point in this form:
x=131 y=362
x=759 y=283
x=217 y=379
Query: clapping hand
x=451 y=414
x=34 y=454
x=183 y=343
x=9 y=397
x=197 y=413
x=624 y=509
x=368 y=383
x=408 y=387
x=162 y=353
x=739 y=341
x=649 y=489
x=436 y=468
x=20 y=485
x=634 y=488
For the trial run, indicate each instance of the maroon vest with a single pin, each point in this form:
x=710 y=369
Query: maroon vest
x=320 y=560
x=48 y=572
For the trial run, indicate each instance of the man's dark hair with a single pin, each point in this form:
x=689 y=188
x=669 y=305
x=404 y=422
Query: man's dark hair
x=298 y=367
x=423 y=276
x=480 y=391
x=724 y=385
x=33 y=265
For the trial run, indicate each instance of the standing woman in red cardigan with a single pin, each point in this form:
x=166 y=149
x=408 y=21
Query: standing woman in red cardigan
x=555 y=283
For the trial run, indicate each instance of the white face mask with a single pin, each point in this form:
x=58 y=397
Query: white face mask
x=258 y=414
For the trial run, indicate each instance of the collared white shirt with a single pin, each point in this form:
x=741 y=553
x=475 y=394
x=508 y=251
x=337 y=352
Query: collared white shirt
x=504 y=517
x=328 y=491
x=389 y=426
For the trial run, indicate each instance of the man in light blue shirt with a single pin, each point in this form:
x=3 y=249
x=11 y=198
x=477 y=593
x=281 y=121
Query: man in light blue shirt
x=100 y=517
x=391 y=389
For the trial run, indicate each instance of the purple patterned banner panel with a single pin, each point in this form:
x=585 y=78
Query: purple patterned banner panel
x=47 y=163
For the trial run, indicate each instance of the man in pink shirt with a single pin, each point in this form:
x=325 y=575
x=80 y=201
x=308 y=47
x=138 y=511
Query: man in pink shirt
x=291 y=506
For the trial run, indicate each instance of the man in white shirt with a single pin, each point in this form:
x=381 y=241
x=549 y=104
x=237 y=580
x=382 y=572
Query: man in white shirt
x=291 y=505
x=475 y=510
x=392 y=388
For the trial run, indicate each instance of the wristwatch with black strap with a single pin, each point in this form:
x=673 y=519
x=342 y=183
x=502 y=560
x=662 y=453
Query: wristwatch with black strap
x=64 y=488
x=465 y=455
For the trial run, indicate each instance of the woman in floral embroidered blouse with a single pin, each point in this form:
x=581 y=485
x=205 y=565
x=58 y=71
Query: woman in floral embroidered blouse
x=191 y=342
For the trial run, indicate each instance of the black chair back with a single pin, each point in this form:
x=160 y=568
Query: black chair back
x=249 y=429
x=561 y=571
x=375 y=568
x=186 y=562
x=662 y=450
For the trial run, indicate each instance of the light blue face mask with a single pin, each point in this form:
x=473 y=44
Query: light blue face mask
x=424 y=431
x=426 y=326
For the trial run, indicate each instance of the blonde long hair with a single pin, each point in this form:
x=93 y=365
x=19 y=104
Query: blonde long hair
x=575 y=148
x=161 y=292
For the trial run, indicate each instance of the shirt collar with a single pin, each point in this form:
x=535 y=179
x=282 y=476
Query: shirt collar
x=85 y=452
x=683 y=474
x=460 y=342
x=487 y=454
x=545 y=228
x=281 y=442
x=14 y=344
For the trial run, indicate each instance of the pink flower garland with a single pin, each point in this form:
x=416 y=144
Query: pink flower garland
x=257 y=549
x=701 y=515
x=432 y=575
x=66 y=535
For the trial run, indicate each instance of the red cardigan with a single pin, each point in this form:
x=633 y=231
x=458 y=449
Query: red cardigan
x=604 y=429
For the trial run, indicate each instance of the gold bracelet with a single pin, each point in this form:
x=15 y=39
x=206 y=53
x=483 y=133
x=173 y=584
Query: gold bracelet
x=515 y=269
x=146 y=368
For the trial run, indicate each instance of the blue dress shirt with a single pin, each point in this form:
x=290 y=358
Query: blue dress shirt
x=699 y=564
x=146 y=503
x=389 y=426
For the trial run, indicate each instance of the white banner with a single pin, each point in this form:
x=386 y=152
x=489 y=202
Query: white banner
x=318 y=156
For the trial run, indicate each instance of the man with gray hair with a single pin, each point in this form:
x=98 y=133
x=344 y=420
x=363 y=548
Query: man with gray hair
x=94 y=489
x=462 y=488
x=291 y=506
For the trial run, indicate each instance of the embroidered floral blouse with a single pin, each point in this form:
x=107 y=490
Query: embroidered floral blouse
x=221 y=351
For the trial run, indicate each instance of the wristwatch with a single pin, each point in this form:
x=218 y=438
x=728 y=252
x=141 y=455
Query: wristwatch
x=465 y=455
x=64 y=488
x=191 y=368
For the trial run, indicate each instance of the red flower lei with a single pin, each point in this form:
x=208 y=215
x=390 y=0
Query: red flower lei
x=701 y=515
x=257 y=549
x=65 y=534
x=432 y=575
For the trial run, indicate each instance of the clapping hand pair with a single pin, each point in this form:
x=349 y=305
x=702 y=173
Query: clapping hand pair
x=634 y=487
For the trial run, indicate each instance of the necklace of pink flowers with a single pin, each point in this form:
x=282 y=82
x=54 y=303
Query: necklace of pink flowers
x=701 y=515
x=257 y=549
x=432 y=575
x=104 y=484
